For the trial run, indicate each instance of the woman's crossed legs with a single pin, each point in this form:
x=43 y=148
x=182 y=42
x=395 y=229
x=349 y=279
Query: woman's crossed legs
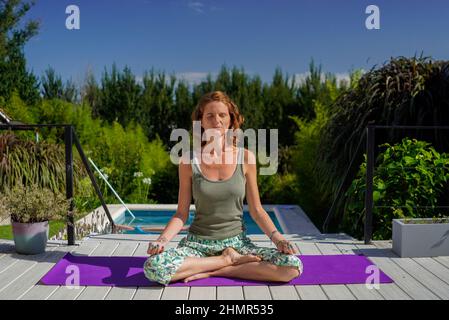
x=189 y=264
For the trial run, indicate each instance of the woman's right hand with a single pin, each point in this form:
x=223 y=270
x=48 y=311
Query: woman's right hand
x=156 y=247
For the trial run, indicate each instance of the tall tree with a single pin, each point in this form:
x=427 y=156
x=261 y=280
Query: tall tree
x=13 y=73
x=52 y=86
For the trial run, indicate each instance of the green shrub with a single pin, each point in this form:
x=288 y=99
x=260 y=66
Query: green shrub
x=409 y=179
x=28 y=162
x=123 y=153
x=165 y=184
x=304 y=158
x=278 y=189
x=29 y=204
x=404 y=91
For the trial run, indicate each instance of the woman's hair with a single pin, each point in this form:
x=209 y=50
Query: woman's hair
x=218 y=96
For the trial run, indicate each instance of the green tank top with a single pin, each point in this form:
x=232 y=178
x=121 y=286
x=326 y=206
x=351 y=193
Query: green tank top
x=218 y=204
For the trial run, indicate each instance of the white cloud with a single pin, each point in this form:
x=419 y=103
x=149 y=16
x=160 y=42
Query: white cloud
x=197 y=6
x=192 y=77
x=340 y=76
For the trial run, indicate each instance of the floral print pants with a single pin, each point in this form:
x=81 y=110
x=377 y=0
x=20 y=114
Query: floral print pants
x=161 y=267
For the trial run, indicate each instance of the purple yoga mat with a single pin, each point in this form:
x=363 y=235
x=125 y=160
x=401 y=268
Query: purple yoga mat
x=128 y=272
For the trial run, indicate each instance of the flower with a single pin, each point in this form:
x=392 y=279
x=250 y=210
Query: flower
x=147 y=180
x=138 y=174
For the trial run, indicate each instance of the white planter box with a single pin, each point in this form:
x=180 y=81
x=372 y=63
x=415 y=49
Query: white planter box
x=422 y=239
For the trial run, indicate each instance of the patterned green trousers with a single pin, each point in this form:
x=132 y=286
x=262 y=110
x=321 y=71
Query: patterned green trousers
x=161 y=267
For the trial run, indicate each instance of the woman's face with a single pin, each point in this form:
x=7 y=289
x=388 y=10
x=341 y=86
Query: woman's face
x=216 y=116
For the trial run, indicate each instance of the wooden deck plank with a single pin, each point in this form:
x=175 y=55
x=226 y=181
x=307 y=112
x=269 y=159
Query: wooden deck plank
x=31 y=277
x=141 y=250
x=311 y=293
x=257 y=293
x=328 y=248
x=442 y=260
x=433 y=266
x=148 y=293
x=230 y=293
x=403 y=279
x=427 y=278
x=362 y=292
x=175 y=293
x=437 y=268
x=284 y=293
x=338 y=292
x=203 y=293
x=7 y=261
x=389 y=291
x=21 y=266
x=307 y=248
x=123 y=293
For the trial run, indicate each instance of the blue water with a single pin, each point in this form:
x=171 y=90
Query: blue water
x=161 y=217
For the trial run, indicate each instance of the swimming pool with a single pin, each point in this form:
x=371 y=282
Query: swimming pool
x=161 y=218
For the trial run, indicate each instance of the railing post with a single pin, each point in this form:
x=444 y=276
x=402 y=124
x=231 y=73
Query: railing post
x=368 y=230
x=68 y=140
x=94 y=182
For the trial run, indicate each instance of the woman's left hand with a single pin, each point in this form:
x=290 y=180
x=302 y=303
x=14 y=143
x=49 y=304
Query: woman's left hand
x=286 y=247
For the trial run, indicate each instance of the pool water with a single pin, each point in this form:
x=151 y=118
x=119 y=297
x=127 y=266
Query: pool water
x=161 y=217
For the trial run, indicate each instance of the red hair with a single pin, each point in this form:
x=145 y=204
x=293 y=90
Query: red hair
x=218 y=96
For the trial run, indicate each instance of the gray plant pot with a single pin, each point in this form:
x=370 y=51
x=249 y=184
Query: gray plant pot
x=422 y=238
x=30 y=238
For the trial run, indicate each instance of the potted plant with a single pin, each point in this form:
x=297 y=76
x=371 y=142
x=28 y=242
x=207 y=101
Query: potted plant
x=30 y=209
x=421 y=237
x=411 y=180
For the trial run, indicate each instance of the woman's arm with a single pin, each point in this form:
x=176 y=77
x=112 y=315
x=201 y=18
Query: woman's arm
x=256 y=210
x=178 y=220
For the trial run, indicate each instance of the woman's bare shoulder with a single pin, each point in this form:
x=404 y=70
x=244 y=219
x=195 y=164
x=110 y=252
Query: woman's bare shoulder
x=185 y=167
x=185 y=158
x=249 y=157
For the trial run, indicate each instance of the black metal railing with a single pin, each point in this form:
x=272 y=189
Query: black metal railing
x=70 y=139
x=370 y=163
x=370 y=133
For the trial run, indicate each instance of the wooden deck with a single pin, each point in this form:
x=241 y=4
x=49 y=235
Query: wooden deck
x=418 y=278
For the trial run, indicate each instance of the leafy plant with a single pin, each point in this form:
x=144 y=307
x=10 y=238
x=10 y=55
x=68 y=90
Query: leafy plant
x=307 y=139
x=30 y=204
x=28 y=162
x=434 y=220
x=404 y=91
x=409 y=178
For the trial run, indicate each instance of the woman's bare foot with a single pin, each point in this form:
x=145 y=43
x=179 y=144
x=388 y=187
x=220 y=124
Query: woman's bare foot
x=198 y=276
x=236 y=258
x=232 y=257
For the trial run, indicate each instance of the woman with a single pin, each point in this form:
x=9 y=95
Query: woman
x=216 y=244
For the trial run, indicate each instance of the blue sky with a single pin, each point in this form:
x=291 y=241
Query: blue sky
x=193 y=38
